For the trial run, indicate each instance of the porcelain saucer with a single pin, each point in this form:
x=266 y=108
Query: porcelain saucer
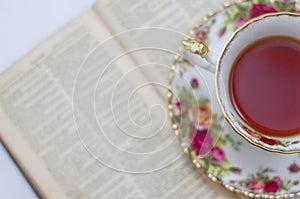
x=204 y=134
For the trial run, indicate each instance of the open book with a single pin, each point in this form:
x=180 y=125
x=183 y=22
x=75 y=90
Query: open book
x=85 y=113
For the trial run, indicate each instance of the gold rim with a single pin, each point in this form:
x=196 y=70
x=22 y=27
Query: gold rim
x=175 y=128
x=218 y=88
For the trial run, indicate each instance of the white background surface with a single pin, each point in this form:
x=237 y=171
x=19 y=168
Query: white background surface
x=24 y=24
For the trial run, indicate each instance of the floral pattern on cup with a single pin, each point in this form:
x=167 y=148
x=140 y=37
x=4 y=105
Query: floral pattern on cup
x=237 y=16
x=270 y=141
x=233 y=18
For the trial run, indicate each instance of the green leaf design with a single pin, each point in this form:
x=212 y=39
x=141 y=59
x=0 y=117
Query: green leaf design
x=261 y=1
x=277 y=6
x=289 y=7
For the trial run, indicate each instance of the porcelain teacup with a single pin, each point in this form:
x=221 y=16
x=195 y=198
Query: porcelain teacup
x=280 y=24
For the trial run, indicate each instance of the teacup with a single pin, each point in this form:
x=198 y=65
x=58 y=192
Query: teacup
x=257 y=76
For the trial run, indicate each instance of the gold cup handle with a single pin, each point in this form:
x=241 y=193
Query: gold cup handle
x=196 y=47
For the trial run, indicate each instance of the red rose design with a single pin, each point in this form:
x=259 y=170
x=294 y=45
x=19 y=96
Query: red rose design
x=236 y=170
x=194 y=83
x=268 y=141
x=294 y=168
x=182 y=108
x=218 y=154
x=260 y=9
x=271 y=187
x=201 y=140
x=222 y=31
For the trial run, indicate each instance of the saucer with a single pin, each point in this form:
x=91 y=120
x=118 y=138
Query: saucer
x=206 y=137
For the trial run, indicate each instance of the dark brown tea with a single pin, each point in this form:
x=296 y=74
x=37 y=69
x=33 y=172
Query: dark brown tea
x=265 y=86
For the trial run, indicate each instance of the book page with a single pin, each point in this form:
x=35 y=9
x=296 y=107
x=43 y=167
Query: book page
x=49 y=125
x=159 y=25
x=36 y=120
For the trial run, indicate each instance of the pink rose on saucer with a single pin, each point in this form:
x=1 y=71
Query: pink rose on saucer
x=276 y=179
x=260 y=9
x=201 y=140
x=194 y=83
x=182 y=108
x=256 y=185
x=201 y=114
x=218 y=155
x=200 y=37
x=294 y=168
